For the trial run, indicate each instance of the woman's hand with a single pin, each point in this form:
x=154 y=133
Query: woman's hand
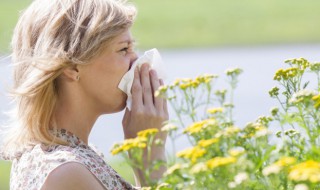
x=147 y=111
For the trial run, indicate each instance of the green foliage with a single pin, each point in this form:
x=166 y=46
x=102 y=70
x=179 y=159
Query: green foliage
x=4 y=175
x=224 y=156
x=186 y=23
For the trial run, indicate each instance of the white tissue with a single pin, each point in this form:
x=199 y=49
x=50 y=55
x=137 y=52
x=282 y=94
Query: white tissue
x=153 y=58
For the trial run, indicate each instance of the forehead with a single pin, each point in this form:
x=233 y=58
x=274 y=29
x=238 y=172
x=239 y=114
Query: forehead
x=122 y=38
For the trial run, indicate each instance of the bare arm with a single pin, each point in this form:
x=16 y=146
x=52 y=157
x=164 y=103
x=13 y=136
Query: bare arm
x=71 y=176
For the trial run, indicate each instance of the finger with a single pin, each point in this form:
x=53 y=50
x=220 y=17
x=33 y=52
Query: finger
x=136 y=90
x=125 y=119
x=158 y=101
x=165 y=105
x=146 y=86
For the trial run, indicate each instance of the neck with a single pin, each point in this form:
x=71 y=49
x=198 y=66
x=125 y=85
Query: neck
x=72 y=115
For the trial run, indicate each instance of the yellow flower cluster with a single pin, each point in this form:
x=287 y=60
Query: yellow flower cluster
x=192 y=153
x=194 y=83
x=315 y=67
x=304 y=96
x=274 y=92
x=169 y=127
x=215 y=110
x=316 y=100
x=173 y=168
x=285 y=74
x=199 y=126
x=285 y=161
x=229 y=131
x=236 y=152
x=148 y=132
x=220 y=161
x=199 y=167
x=306 y=171
x=208 y=142
x=278 y=165
x=233 y=71
x=138 y=142
x=302 y=63
x=161 y=91
x=255 y=130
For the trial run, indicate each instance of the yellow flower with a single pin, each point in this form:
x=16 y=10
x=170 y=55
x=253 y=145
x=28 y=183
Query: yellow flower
x=220 y=161
x=186 y=80
x=272 y=169
x=161 y=91
x=169 y=127
x=229 y=131
x=236 y=152
x=206 y=78
x=199 y=167
x=302 y=63
x=117 y=148
x=255 y=130
x=286 y=73
x=232 y=130
x=285 y=161
x=192 y=153
x=233 y=71
x=215 y=110
x=146 y=133
x=278 y=165
x=195 y=83
x=316 y=100
x=274 y=92
x=198 y=126
x=208 y=142
x=306 y=171
x=138 y=142
x=173 y=168
x=185 y=86
x=176 y=82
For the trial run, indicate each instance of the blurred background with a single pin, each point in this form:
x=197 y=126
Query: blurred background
x=199 y=36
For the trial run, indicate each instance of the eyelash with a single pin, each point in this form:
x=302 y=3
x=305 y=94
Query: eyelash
x=125 y=49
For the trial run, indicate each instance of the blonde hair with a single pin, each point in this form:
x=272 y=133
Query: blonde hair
x=50 y=36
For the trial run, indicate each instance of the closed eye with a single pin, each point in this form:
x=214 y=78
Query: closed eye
x=125 y=49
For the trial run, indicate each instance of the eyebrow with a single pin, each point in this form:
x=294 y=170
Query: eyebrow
x=127 y=41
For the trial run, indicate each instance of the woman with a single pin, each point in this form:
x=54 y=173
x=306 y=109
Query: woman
x=69 y=57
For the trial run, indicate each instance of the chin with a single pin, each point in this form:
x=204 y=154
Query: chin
x=118 y=106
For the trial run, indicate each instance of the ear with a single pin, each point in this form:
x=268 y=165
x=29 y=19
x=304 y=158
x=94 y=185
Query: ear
x=71 y=73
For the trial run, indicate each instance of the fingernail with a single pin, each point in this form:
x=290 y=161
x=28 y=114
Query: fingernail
x=146 y=65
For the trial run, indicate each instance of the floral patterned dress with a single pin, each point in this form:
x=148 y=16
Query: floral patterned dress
x=30 y=169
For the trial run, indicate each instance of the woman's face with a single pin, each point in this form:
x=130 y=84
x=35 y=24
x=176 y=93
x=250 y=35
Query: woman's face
x=101 y=77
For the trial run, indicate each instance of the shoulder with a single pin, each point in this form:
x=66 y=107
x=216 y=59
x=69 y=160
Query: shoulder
x=71 y=175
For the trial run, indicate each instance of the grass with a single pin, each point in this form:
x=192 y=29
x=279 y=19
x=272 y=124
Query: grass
x=4 y=175
x=9 y=13
x=190 y=23
x=121 y=167
x=181 y=23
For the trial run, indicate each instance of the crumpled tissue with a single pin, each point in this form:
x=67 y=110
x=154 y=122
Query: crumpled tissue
x=151 y=57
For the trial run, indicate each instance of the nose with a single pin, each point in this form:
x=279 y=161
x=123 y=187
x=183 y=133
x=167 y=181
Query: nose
x=134 y=56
